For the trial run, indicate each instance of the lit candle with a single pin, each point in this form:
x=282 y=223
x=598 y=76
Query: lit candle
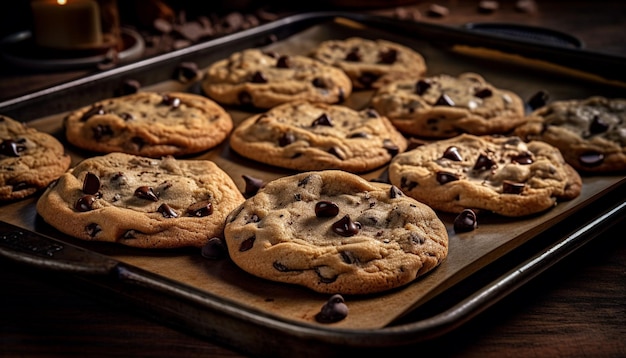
x=66 y=24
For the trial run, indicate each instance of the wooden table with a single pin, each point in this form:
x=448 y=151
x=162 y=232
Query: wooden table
x=575 y=309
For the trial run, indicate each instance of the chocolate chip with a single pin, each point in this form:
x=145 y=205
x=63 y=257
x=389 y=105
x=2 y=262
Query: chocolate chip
x=93 y=111
x=372 y=113
x=200 y=209
x=509 y=187
x=100 y=131
x=395 y=192
x=539 y=99
x=286 y=139
x=453 y=154
x=146 y=193
x=483 y=162
x=214 y=249
x=483 y=93
x=283 y=62
x=173 y=102
x=348 y=257
x=247 y=244
x=244 y=98
x=336 y=152
x=304 y=181
x=367 y=79
x=389 y=56
x=346 y=227
x=445 y=177
x=91 y=183
x=324 y=279
x=597 y=125
x=591 y=159
x=126 y=116
x=391 y=147
x=523 y=158
x=11 y=148
x=358 y=135
x=408 y=184
x=415 y=239
x=85 y=203
x=167 y=211
x=186 y=71
x=326 y=209
x=444 y=100
x=319 y=82
x=322 y=120
x=354 y=55
x=465 y=221
x=280 y=267
x=252 y=185
x=334 y=310
x=254 y=218
x=421 y=87
x=93 y=229
x=258 y=77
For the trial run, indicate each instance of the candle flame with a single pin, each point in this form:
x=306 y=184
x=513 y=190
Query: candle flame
x=61 y=2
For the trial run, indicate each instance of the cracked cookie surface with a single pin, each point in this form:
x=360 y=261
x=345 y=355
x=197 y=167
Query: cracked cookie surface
x=302 y=135
x=590 y=132
x=444 y=106
x=500 y=174
x=141 y=202
x=371 y=63
x=262 y=79
x=29 y=159
x=334 y=232
x=149 y=124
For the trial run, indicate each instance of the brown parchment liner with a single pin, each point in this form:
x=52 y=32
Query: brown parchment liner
x=468 y=252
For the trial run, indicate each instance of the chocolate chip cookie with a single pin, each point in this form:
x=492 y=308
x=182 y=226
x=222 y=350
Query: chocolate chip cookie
x=501 y=174
x=29 y=159
x=149 y=124
x=256 y=78
x=141 y=202
x=591 y=132
x=334 y=232
x=443 y=106
x=371 y=63
x=304 y=136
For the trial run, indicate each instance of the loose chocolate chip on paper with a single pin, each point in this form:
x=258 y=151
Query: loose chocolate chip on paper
x=537 y=100
x=465 y=221
x=252 y=185
x=334 y=310
x=214 y=249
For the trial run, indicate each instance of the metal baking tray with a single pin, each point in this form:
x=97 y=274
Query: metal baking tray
x=219 y=301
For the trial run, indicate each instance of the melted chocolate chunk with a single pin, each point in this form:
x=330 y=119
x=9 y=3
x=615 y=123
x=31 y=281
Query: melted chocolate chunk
x=453 y=154
x=348 y=257
x=367 y=79
x=346 y=227
x=252 y=185
x=280 y=267
x=126 y=116
x=354 y=55
x=304 y=181
x=509 y=187
x=283 y=62
x=389 y=56
x=597 y=125
x=12 y=148
x=214 y=249
x=537 y=100
x=591 y=159
x=247 y=244
x=167 y=211
x=244 y=98
x=336 y=152
x=85 y=203
x=358 y=135
x=146 y=193
x=334 y=310
x=324 y=279
x=173 y=102
x=326 y=209
x=286 y=139
x=421 y=87
x=408 y=184
x=200 y=209
x=93 y=229
x=465 y=221
x=93 y=111
x=395 y=192
x=101 y=131
x=91 y=184
x=444 y=100
x=323 y=120
x=445 y=177
x=391 y=147
x=258 y=77
x=372 y=113
x=483 y=93
x=483 y=162
x=319 y=83
x=523 y=158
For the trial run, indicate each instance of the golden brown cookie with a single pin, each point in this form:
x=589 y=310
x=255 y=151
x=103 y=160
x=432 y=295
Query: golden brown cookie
x=263 y=79
x=304 y=136
x=591 y=132
x=443 y=106
x=500 y=174
x=141 y=202
x=29 y=159
x=371 y=63
x=334 y=232
x=149 y=124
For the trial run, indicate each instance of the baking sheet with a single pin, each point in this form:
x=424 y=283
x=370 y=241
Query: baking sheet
x=468 y=252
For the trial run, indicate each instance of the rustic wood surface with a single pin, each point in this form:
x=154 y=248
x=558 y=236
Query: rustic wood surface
x=575 y=309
